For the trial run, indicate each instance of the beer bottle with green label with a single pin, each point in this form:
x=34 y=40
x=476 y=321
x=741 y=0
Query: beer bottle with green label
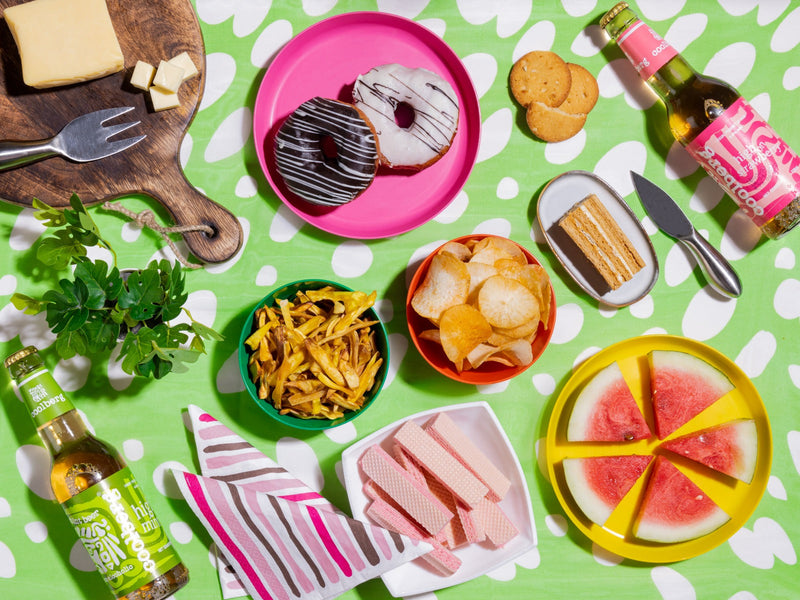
x=718 y=127
x=98 y=492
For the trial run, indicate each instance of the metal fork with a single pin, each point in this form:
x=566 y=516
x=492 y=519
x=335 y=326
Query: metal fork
x=83 y=139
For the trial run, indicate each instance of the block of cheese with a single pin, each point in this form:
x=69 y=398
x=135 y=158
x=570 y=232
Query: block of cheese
x=64 y=41
x=168 y=77
x=185 y=62
x=142 y=75
x=162 y=100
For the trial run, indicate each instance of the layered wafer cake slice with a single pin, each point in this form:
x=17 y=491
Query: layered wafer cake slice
x=599 y=237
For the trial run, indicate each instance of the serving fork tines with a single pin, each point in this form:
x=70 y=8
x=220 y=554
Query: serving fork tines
x=83 y=139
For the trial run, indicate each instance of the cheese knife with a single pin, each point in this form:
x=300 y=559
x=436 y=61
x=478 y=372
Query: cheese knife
x=669 y=217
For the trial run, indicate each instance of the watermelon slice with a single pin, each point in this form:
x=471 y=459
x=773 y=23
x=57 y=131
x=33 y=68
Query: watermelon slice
x=605 y=411
x=682 y=386
x=730 y=448
x=674 y=509
x=598 y=484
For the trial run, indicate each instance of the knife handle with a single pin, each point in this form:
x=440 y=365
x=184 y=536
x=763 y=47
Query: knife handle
x=719 y=271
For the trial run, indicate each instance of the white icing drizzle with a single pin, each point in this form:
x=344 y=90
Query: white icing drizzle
x=381 y=90
x=301 y=161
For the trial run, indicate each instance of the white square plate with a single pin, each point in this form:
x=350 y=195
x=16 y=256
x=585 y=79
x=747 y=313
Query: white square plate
x=479 y=422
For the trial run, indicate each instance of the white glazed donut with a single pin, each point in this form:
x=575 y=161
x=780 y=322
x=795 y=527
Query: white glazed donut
x=380 y=91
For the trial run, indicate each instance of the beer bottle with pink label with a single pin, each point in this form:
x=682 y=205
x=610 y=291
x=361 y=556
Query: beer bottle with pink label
x=718 y=127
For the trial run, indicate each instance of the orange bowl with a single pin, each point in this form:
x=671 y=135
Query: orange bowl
x=433 y=353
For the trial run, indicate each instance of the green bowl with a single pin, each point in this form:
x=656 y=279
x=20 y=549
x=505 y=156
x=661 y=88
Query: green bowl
x=288 y=292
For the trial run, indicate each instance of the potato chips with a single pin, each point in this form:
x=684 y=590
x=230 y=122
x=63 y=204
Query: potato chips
x=486 y=302
x=315 y=357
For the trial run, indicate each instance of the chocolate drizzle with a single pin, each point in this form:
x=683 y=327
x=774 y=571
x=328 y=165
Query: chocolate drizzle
x=304 y=166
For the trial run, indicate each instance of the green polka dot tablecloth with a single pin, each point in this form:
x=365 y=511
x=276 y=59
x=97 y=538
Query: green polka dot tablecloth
x=752 y=44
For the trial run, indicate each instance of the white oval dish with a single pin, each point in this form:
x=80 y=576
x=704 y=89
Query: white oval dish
x=561 y=194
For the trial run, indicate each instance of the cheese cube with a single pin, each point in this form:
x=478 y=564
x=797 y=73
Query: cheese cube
x=142 y=75
x=162 y=100
x=184 y=61
x=64 y=41
x=168 y=77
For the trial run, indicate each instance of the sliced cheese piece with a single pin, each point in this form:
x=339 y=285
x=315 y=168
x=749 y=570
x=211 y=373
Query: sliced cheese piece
x=168 y=77
x=162 y=100
x=64 y=41
x=142 y=75
x=185 y=62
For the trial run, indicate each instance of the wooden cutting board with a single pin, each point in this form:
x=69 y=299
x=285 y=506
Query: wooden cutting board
x=148 y=30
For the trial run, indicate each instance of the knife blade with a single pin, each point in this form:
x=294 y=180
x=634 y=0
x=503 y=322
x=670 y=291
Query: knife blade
x=669 y=217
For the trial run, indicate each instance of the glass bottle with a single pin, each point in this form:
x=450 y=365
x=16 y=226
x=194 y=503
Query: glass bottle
x=98 y=492
x=735 y=146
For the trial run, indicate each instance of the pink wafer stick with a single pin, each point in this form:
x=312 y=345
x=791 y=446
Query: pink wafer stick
x=454 y=440
x=405 y=460
x=473 y=528
x=440 y=463
x=409 y=494
x=452 y=535
x=385 y=515
x=499 y=529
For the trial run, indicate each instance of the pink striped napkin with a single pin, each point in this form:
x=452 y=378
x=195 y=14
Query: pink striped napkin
x=282 y=539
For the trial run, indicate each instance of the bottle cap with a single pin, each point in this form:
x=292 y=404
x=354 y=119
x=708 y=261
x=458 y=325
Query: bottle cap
x=19 y=355
x=618 y=8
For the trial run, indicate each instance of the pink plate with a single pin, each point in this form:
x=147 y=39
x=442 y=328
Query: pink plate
x=324 y=60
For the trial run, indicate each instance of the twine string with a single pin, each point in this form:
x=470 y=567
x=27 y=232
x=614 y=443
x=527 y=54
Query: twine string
x=147 y=218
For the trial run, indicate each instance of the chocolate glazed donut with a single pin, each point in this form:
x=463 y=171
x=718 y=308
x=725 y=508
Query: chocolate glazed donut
x=305 y=167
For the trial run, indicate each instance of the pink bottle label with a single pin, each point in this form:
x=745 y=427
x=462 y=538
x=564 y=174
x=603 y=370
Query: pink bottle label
x=647 y=50
x=749 y=160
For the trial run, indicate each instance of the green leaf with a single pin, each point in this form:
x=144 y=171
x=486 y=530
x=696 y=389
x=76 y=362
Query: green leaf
x=173 y=281
x=60 y=249
x=103 y=285
x=51 y=217
x=28 y=305
x=66 y=310
x=135 y=349
x=157 y=351
x=101 y=331
x=69 y=343
x=142 y=294
x=206 y=332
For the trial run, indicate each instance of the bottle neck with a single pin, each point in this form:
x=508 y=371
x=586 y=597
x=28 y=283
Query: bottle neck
x=656 y=61
x=56 y=419
x=63 y=431
x=670 y=79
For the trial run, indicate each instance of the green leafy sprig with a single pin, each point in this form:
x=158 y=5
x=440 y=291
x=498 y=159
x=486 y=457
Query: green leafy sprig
x=99 y=305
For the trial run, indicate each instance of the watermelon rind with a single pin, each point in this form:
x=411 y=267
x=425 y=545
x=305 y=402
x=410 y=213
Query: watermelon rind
x=670 y=497
x=589 y=404
x=734 y=455
x=695 y=385
x=621 y=472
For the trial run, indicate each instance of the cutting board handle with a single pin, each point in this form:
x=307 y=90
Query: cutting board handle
x=190 y=208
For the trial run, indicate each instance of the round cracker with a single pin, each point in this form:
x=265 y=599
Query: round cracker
x=553 y=124
x=583 y=92
x=540 y=76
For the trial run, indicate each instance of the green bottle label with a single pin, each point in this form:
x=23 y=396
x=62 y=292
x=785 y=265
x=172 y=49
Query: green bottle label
x=43 y=397
x=121 y=533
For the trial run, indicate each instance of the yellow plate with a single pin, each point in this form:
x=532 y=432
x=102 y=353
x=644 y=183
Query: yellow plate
x=735 y=497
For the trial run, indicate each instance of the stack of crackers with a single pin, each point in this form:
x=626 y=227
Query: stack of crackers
x=557 y=95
